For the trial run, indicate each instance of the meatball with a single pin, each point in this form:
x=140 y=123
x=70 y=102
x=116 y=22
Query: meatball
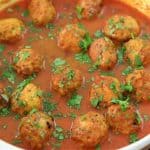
x=11 y=30
x=138 y=52
x=42 y=12
x=140 y=80
x=23 y=101
x=64 y=78
x=89 y=129
x=104 y=90
x=103 y=52
x=89 y=8
x=124 y=122
x=121 y=28
x=27 y=61
x=70 y=36
x=35 y=130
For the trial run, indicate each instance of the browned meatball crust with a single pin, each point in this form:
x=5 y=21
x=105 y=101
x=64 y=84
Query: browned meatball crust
x=42 y=11
x=122 y=121
x=103 y=52
x=27 y=61
x=140 y=80
x=89 y=8
x=11 y=30
x=104 y=90
x=138 y=50
x=89 y=129
x=70 y=36
x=35 y=130
x=64 y=78
x=121 y=28
x=29 y=98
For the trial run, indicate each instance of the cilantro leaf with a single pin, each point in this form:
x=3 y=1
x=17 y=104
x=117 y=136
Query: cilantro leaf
x=85 y=42
x=83 y=58
x=133 y=138
x=75 y=101
x=121 y=53
x=127 y=71
x=79 y=11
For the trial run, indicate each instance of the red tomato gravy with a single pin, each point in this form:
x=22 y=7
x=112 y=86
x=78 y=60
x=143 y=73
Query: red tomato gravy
x=48 y=48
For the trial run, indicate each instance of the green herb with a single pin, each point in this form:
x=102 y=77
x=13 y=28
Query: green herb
x=59 y=115
x=50 y=26
x=127 y=71
x=75 y=101
x=127 y=87
x=25 y=13
x=83 y=58
x=4 y=112
x=56 y=145
x=16 y=141
x=145 y=36
x=138 y=118
x=94 y=66
x=116 y=25
x=58 y=133
x=121 y=53
x=113 y=87
x=49 y=106
x=72 y=115
x=96 y=101
x=138 y=62
x=85 y=42
x=124 y=104
x=70 y=75
x=146 y=117
x=17 y=116
x=107 y=73
x=2 y=47
x=58 y=65
x=79 y=11
x=9 y=74
x=98 y=147
x=32 y=27
x=22 y=85
x=133 y=138
x=34 y=110
x=99 y=34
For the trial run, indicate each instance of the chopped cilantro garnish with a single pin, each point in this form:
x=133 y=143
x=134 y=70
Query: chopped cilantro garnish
x=138 y=62
x=121 y=53
x=22 y=85
x=75 y=101
x=99 y=34
x=58 y=133
x=70 y=74
x=98 y=147
x=127 y=71
x=113 y=87
x=49 y=106
x=9 y=74
x=2 y=47
x=95 y=102
x=85 y=42
x=72 y=115
x=145 y=36
x=133 y=138
x=4 y=112
x=107 y=73
x=138 y=117
x=127 y=87
x=79 y=11
x=123 y=103
x=25 y=13
x=58 y=65
x=83 y=58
